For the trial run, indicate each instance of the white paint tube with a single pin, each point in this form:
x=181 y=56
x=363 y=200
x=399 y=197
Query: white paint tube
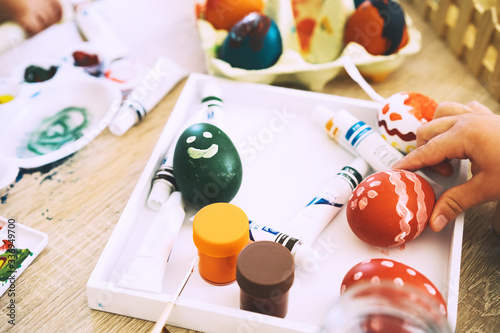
x=147 y=269
x=316 y=216
x=300 y=252
x=156 y=84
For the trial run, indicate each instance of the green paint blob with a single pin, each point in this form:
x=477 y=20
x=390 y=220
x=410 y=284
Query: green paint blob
x=66 y=126
x=12 y=260
x=33 y=74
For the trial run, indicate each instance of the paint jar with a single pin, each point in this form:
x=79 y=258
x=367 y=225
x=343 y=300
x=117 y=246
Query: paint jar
x=265 y=273
x=220 y=232
x=369 y=308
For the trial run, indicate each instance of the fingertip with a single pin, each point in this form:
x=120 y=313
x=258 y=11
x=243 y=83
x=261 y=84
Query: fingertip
x=403 y=163
x=438 y=223
x=476 y=106
x=397 y=165
x=448 y=104
x=446 y=108
x=473 y=104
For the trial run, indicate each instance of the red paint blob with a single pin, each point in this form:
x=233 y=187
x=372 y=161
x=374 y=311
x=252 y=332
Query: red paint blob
x=395 y=116
x=385 y=109
x=83 y=59
x=6 y=245
x=305 y=30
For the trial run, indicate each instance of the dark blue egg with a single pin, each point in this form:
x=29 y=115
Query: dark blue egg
x=252 y=43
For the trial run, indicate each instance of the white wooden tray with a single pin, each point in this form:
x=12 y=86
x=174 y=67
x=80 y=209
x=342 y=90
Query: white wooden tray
x=287 y=159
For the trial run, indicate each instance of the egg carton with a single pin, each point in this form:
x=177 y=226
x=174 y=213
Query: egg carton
x=315 y=68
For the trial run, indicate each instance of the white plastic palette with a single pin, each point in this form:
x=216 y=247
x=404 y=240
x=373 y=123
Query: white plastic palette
x=22 y=237
x=34 y=103
x=287 y=159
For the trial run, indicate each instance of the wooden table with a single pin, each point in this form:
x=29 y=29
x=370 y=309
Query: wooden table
x=78 y=201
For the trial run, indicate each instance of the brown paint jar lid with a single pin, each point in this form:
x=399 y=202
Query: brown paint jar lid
x=265 y=269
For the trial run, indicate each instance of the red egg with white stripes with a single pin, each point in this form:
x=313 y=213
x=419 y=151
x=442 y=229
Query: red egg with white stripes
x=390 y=208
x=400 y=117
x=386 y=271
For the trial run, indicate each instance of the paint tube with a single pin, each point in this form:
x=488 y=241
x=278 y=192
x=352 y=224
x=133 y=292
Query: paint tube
x=300 y=252
x=211 y=111
x=316 y=216
x=157 y=83
x=147 y=269
x=366 y=142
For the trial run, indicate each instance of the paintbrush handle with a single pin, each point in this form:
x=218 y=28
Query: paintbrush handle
x=160 y=323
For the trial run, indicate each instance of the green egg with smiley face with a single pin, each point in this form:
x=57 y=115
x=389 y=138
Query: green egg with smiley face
x=207 y=166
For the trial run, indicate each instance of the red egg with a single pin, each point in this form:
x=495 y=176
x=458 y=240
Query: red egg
x=400 y=117
x=386 y=271
x=379 y=26
x=224 y=14
x=390 y=208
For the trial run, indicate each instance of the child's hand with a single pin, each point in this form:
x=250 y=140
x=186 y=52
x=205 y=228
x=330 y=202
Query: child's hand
x=33 y=15
x=459 y=131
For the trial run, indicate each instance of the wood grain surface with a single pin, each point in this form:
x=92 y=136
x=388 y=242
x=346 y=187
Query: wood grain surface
x=78 y=200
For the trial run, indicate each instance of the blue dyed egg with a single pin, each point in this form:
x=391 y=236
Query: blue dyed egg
x=252 y=43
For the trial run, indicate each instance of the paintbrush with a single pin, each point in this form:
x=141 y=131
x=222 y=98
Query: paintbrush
x=162 y=320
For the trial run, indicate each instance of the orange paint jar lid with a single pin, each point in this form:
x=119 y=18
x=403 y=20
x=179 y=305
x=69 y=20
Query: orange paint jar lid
x=220 y=229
